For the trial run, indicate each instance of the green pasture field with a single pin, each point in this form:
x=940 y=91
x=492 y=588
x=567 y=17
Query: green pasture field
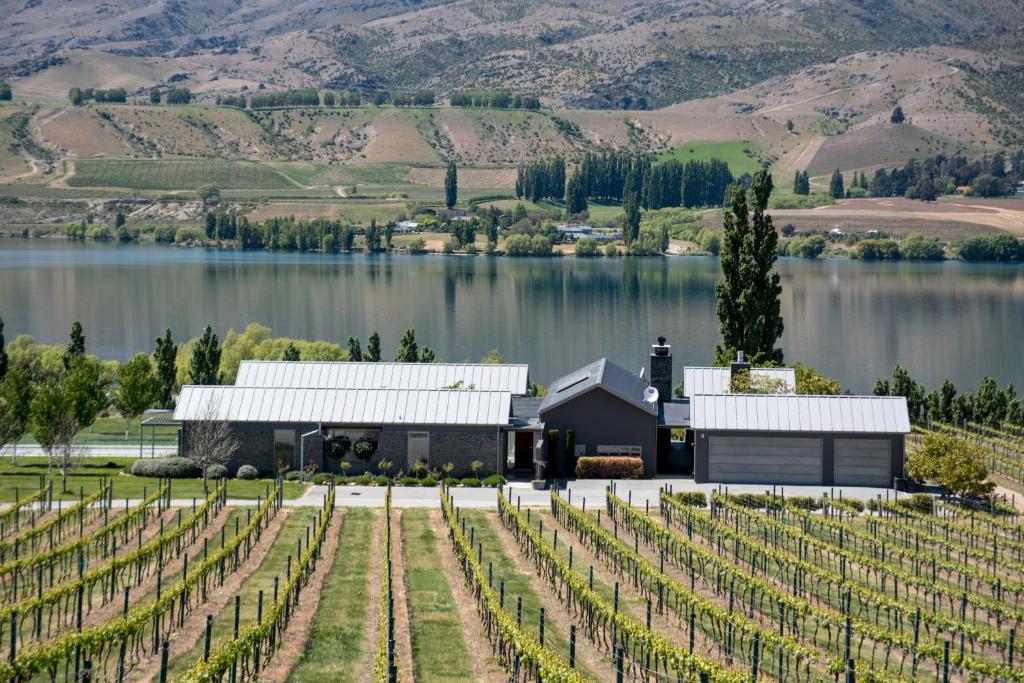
x=739 y=154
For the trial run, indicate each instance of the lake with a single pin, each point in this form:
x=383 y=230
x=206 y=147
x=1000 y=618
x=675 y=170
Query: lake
x=850 y=319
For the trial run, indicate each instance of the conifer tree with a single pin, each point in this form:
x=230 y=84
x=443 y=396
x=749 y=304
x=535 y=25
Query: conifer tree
x=408 y=351
x=76 y=345
x=291 y=353
x=165 y=356
x=355 y=352
x=748 y=307
x=451 y=185
x=373 y=348
x=835 y=186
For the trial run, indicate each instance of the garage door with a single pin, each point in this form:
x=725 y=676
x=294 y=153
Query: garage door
x=863 y=462
x=764 y=460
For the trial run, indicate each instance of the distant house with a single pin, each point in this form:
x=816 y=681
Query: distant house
x=407 y=226
x=576 y=232
x=294 y=414
x=836 y=232
x=454 y=214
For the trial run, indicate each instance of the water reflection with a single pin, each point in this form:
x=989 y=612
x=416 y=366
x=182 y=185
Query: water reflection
x=854 y=320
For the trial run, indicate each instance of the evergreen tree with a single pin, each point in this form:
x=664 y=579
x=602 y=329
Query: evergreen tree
x=575 y=195
x=204 y=366
x=428 y=355
x=631 y=221
x=801 y=183
x=373 y=348
x=408 y=351
x=3 y=351
x=451 y=185
x=165 y=355
x=835 y=186
x=155 y=95
x=119 y=220
x=291 y=353
x=748 y=304
x=355 y=353
x=897 y=115
x=372 y=236
x=76 y=345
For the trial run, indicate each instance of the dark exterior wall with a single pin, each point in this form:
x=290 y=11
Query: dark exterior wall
x=600 y=418
x=255 y=447
x=701 y=445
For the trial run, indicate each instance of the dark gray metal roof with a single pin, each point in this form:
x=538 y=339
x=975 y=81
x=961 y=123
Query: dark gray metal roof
x=674 y=414
x=605 y=374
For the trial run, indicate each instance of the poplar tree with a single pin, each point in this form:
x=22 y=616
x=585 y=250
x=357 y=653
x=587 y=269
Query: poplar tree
x=355 y=353
x=204 y=366
x=408 y=351
x=632 y=218
x=165 y=356
x=373 y=348
x=748 y=307
x=835 y=186
x=451 y=185
x=76 y=345
x=575 y=195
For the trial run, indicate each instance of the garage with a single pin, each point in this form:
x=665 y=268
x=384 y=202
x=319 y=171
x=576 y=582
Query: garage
x=752 y=460
x=863 y=462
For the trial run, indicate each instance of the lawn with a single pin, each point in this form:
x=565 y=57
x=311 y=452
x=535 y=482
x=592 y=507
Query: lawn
x=110 y=431
x=23 y=478
x=741 y=155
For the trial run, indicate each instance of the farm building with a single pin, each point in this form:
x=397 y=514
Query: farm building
x=301 y=413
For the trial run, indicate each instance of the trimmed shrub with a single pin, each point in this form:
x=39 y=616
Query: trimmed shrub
x=294 y=475
x=695 y=499
x=323 y=478
x=382 y=480
x=247 y=472
x=494 y=481
x=172 y=467
x=216 y=472
x=451 y=481
x=409 y=481
x=609 y=468
x=805 y=502
x=471 y=482
x=363 y=479
x=428 y=481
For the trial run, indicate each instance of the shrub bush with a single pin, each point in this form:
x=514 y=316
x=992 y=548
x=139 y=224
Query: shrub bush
x=172 y=467
x=471 y=482
x=921 y=502
x=188 y=234
x=247 y=472
x=609 y=468
x=494 y=481
x=451 y=481
x=164 y=233
x=294 y=475
x=428 y=481
x=363 y=479
x=854 y=503
x=382 y=480
x=216 y=472
x=409 y=481
x=805 y=502
x=323 y=478
x=695 y=499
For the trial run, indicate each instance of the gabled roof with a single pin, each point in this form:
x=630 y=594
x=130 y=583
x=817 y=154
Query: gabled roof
x=791 y=413
x=605 y=374
x=344 y=375
x=717 y=380
x=344 y=406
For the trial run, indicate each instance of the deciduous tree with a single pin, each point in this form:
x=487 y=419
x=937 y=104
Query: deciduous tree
x=138 y=389
x=16 y=392
x=451 y=185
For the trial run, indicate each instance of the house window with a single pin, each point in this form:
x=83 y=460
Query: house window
x=619 y=451
x=419 y=447
x=284 y=449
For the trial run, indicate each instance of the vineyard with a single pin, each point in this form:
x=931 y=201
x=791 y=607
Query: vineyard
x=682 y=588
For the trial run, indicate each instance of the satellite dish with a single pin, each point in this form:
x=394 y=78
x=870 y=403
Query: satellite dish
x=650 y=395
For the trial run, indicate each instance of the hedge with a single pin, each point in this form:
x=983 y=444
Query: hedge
x=173 y=467
x=609 y=468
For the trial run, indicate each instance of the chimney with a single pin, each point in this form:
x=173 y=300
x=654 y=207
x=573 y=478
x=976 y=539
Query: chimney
x=738 y=365
x=661 y=369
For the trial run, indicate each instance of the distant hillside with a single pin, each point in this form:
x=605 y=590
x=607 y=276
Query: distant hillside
x=635 y=54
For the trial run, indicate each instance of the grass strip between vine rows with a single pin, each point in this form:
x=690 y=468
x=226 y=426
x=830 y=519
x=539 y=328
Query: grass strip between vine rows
x=384 y=659
x=248 y=645
x=99 y=639
x=660 y=648
x=16 y=508
x=518 y=649
x=58 y=521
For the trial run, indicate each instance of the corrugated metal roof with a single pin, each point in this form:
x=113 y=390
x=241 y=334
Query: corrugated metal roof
x=601 y=373
x=342 y=375
x=344 y=406
x=791 y=413
x=717 y=380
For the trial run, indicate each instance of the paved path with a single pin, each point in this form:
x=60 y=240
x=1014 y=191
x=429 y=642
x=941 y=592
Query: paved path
x=99 y=450
x=641 y=492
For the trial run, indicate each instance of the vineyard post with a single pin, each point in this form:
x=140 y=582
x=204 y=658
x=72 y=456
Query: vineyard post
x=591 y=577
x=755 y=660
x=572 y=646
x=1009 y=651
x=618 y=665
x=945 y=662
x=490 y=574
x=693 y=629
x=540 y=637
x=164 y=649
x=519 y=610
x=14 y=636
x=501 y=594
x=209 y=636
x=648 y=613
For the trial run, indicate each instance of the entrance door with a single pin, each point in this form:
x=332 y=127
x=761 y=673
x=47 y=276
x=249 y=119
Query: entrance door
x=524 y=451
x=419 y=447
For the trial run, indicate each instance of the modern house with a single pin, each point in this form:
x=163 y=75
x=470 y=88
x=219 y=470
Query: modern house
x=302 y=414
